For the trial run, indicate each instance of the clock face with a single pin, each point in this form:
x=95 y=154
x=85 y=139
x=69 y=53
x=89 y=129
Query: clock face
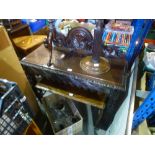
x=79 y=38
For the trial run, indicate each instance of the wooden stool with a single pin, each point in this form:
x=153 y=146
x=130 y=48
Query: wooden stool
x=27 y=44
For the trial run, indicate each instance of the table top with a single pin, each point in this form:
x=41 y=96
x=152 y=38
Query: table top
x=116 y=77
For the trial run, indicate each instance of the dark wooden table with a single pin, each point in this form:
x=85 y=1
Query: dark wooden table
x=66 y=78
x=69 y=78
x=115 y=78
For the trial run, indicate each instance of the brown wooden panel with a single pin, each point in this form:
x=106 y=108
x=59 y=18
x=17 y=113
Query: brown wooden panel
x=3 y=40
x=11 y=69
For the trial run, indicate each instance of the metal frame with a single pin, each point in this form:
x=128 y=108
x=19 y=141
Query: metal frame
x=141 y=28
x=145 y=110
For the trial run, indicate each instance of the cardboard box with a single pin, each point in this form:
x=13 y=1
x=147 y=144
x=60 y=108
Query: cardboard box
x=49 y=100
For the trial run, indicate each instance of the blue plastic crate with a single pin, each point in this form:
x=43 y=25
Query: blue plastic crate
x=35 y=25
x=24 y=21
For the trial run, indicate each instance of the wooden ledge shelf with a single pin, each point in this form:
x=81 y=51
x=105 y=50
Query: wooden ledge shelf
x=72 y=95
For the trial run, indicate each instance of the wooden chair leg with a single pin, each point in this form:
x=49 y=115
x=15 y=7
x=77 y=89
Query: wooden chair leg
x=32 y=129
